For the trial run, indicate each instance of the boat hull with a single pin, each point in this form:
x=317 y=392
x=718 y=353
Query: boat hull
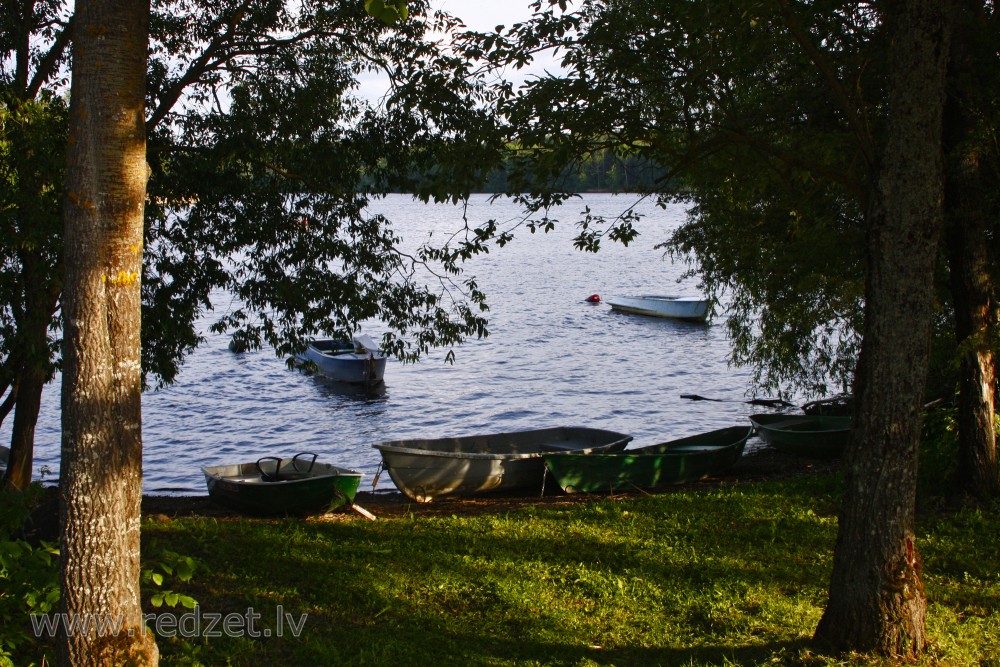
x=241 y=487
x=425 y=469
x=666 y=464
x=361 y=363
x=676 y=307
x=816 y=436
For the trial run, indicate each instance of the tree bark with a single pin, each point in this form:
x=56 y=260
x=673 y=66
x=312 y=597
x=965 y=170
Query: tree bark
x=969 y=261
x=101 y=469
x=978 y=469
x=877 y=600
x=34 y=368
x=22 y=438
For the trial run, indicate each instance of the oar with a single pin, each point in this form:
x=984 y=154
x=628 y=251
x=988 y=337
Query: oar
x=696 y=397
x=768 y=402
x=357 y=508
x=362 y=511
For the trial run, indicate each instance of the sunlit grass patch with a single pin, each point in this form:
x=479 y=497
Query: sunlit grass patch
x=732 y=576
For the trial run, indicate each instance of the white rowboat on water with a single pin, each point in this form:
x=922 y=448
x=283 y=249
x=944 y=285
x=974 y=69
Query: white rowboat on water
x=678 y=307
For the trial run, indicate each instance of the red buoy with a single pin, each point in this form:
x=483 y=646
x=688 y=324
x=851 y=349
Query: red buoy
x=593 y=298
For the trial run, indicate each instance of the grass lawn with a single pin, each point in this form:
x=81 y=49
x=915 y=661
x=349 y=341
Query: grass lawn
x=734 y=575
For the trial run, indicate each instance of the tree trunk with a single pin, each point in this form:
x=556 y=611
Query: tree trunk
x=22 y=438
x=33 y=366
x=877 y=600
x=969 y=261
x=101 y=470
x=978 y=468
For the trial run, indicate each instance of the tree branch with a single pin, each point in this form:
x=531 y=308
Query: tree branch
x=47 y=65
x=860 y=129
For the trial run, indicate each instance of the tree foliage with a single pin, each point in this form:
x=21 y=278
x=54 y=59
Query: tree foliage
x=810 y=134
x=257 y=179
x=264 y=151
x=707 y=90
x=32 y=159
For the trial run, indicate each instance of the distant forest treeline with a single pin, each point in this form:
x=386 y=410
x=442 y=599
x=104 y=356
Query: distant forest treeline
x=602 y=171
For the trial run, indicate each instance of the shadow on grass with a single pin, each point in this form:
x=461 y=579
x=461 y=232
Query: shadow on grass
x=640 y=582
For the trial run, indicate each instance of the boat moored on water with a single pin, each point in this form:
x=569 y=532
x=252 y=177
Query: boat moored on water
x=675 y=462
x=357 y=362
x=425 y=469
x=694 y=309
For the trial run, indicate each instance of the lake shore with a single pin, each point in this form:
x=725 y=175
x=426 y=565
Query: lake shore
x=757 y=466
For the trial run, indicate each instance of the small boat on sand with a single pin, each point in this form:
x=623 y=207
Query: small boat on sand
x=425 y=469
x=812 y=436
x=690 y=308
x=668 y=463
x=358 y=362
x=271 y=485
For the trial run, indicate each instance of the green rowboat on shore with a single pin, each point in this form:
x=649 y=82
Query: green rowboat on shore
x=674 y=462
x=271 y=485
x=812 y=436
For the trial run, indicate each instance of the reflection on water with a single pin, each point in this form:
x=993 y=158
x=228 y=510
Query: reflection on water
x=552 y=359
x=349 y=391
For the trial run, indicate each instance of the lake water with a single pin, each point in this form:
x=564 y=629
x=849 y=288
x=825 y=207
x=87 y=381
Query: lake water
x=551 y=360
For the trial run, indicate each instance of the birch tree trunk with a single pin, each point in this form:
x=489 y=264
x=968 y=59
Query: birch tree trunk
x=101 y=469
x=877 y=600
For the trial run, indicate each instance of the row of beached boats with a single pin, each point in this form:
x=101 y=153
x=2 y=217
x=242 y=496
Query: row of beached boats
x=576 y=459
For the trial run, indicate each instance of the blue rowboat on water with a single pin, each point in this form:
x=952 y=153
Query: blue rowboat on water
x=357 y=362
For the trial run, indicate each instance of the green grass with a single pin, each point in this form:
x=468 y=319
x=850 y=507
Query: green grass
x=732 y=576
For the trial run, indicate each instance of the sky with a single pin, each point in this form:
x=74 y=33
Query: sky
x=486 y=14
x=479 y=15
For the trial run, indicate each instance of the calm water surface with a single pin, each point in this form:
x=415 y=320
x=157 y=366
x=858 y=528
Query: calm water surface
x=551 y=360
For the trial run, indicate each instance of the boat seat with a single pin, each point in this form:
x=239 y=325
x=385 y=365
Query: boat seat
x=793 y=422
x=284 y=477
x=553 y=447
